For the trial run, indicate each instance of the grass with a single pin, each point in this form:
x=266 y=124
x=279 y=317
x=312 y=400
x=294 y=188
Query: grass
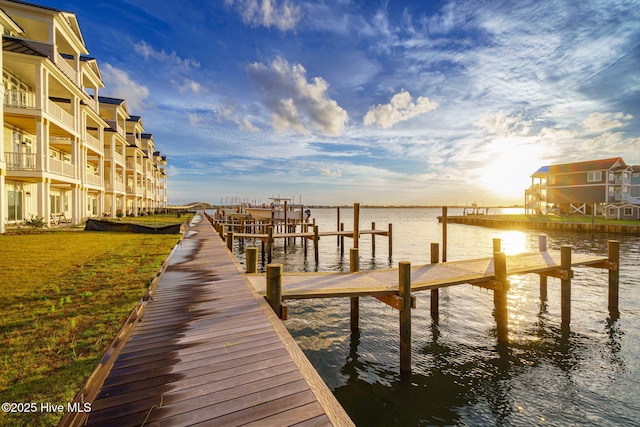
x=65 y=294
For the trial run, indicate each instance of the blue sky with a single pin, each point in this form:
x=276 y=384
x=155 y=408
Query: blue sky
x=377 y=102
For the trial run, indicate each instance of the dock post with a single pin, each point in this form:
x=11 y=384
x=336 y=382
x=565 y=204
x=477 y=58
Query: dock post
x=338 y=224
x=435 y=293
x=354 y=267
x=497 y=245
x=500 y=296
x=542 y=247
x=404 y=289
x=270 y=244
x=356 y=224
x=274 y=288
x=315 y=244
x=251 y=259
x=341 y=237
x=565 y=285
x=614 y=277
x=230 y=240
x=373 y=240
x=444 y=234
x=390 y=240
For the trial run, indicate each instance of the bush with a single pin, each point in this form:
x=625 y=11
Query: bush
x=35 y=222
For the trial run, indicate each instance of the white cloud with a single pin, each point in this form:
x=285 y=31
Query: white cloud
x=188 y=85
x=399 y=109
x=147 y=51
x=603 y=122
x=501 y=124
x=120 y=85
x=296 y=103
x=268 y=13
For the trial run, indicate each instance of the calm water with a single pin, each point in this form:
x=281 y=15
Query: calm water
x=590 y=376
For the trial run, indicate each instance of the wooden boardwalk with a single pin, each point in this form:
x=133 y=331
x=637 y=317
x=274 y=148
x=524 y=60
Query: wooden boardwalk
x=423 y=277
x=210 y=351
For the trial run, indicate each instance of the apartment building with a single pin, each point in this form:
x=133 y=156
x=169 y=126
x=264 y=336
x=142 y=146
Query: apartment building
x=606 y=187
x=65 y=150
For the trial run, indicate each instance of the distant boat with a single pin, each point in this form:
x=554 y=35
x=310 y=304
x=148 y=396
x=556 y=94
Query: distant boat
x=278 y=211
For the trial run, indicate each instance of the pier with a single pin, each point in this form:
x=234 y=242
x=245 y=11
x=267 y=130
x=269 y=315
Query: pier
x=268 y=232
x=395 y=286
x=203 y=347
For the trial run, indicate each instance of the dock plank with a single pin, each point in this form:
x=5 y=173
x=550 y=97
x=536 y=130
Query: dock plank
x=423 y=277
x=208 y=349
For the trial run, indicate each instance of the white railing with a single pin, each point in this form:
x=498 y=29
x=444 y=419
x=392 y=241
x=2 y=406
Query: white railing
x=61 y=168
x=94 y=179
x=19 y=99
x=114 y=186
x=66 y=68
x=20 y=161
x=61 y=115
x=119 y=158
x=94 y=142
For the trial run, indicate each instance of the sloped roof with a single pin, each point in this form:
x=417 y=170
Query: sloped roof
x=27 y=47
x=112 y=101
x=590 y=165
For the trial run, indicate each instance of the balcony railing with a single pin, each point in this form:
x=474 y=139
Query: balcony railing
x=114 y=186
x=94 y=179
x=21 y=161
x=62 y=168
x=66 y=68
x=61 y=115
x=19 y=99
x=93 y=142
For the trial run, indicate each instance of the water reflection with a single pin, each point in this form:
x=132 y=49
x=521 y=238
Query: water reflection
x=545 y=375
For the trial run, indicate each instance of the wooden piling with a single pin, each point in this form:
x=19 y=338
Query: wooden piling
x=444 y=234
x=341 y=240
x=404 y=290
x=230 y=240
x=316 y=239
x=356 y=224
x=373 y=240
x=497 y=245
x=354 y=267
x=500 y=296
x=251 y=257
x=542 y=247
x=565 y=285
x=274 y=288
x=270 y=244
x=390 y=241
x=614 y=277
x=338 y=225
x=435 y=293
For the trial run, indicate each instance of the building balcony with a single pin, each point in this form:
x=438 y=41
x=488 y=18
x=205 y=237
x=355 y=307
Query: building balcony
x=93 y=142
x=62 y=117
x=62 y=168
x=93 y=180
x=19 y=99
x=115 y=186
x=21 y=161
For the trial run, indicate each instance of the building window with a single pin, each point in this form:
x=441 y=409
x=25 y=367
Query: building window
x=594 y=176
x=628 y=211
x=612 y=212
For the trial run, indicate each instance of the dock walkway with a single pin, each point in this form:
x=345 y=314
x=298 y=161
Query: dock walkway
x=210 y=350
x=383 y=282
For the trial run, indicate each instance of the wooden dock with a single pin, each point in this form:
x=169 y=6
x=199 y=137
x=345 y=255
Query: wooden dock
x=209 y=350
x=395 y=286
x=479 y=272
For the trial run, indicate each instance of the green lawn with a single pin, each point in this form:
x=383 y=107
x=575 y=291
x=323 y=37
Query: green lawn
x=64 y=296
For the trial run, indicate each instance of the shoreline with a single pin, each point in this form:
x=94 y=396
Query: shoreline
x=516 y=224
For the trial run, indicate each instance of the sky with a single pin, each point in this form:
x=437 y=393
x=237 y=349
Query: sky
x=376 y=102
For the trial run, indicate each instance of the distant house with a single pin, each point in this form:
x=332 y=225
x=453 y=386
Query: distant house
x=606 y=187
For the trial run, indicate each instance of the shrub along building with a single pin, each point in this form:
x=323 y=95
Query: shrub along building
x=606 y=187
x=66 y=152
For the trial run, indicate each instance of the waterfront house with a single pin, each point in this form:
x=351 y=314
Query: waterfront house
x=602 y=187
x=63 y=147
